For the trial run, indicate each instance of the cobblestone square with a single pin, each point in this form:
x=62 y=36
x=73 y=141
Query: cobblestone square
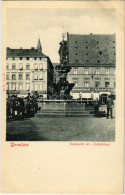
x=61 y=129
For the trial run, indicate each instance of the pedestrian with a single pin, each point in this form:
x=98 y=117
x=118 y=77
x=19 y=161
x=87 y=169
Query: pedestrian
x=96 y=107
x=110 y=105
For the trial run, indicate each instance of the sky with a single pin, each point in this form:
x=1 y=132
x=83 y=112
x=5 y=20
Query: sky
x=26 y=26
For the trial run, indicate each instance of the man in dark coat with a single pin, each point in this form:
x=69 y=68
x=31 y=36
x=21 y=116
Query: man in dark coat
x=110 y=105
x=96 y=107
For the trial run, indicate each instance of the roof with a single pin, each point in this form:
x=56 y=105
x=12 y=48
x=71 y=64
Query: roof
x=92 y=49
x=24 y=52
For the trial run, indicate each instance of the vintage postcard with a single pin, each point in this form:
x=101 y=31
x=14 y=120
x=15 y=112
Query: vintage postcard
x=62 y=97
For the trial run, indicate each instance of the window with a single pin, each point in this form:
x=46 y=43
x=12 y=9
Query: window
x=97 y=83
x=86 y=83
x=13 y=66
x=41 y=76
x=35 y=58
x=6 y=58
x=13 y=87
x=97 y=71
x=35 y=76
x=7 y=86
x=40 y=58
x=107 y=71
x=107 y=84
x=75 y=71
x=76 y=54
x=27 y=76
x=13 y=77
x=114 y=84
x=21 y=66
x=35 y=87
x=27 y=58
x=75 y=41
x=41 y=66
x=20 y=77
x=7 y=77
x=86 y=71
x=27 y=86
x=27 y=66
x=20 y=86
x=13 y=58
x=35 y=66
x=21 y=58
x=40 y=87
x=7 y=66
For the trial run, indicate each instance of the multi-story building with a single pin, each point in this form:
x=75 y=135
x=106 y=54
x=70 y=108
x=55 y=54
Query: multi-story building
x=93 y=61
x=28 y=71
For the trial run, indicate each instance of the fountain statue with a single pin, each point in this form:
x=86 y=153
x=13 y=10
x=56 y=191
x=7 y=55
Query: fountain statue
x=63 y=87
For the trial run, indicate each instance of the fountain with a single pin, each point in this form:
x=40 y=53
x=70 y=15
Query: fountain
x=63 y=87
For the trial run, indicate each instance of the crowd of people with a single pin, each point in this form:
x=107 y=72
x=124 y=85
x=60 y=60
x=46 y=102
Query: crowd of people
x=19 y=108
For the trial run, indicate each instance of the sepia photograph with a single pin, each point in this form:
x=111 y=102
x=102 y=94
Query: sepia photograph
x=62 y=103
x=60 y=75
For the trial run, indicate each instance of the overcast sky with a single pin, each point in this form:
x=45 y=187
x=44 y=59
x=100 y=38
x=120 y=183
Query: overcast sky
x=25 y=26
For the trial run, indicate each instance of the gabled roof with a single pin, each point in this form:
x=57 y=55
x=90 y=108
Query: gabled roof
x=92 y=49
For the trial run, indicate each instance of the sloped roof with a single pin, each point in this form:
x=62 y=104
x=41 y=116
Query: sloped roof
x=24 y=53
x=92 y=49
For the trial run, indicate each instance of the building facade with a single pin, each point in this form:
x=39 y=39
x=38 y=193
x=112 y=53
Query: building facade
x=93 y=61
x=28 y=71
